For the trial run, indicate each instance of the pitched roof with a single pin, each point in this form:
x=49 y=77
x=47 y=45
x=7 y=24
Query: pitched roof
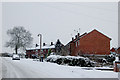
x=118 y=48
x=102 y=34
x=98 y=32
x=43 y=47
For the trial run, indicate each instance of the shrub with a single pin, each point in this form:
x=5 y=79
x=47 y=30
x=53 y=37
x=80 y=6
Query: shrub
x=70 y=60
x=110 y=58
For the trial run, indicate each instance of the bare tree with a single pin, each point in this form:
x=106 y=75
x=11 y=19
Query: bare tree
x=20 y=38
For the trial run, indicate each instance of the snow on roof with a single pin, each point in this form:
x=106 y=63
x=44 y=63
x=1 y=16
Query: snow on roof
x=43 y=47
x=49 y=46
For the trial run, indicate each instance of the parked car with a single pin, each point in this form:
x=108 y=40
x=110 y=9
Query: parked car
x=15 y=57
x=34 y=56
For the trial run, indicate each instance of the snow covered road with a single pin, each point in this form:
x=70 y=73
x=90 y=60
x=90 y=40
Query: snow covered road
x=20 y=69
x=27 y=68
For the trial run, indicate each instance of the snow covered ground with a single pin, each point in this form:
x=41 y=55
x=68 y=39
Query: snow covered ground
x=27 y=68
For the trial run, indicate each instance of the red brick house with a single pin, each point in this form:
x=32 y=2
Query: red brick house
x=93 y=42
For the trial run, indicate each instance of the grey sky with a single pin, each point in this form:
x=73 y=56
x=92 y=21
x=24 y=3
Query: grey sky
x=59 y=20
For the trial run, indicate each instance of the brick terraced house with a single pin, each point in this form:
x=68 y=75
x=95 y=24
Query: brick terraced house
x=93 y=42
x=45 y=50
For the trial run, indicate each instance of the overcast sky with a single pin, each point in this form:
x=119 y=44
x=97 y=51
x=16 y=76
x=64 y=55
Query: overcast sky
x=59 y=20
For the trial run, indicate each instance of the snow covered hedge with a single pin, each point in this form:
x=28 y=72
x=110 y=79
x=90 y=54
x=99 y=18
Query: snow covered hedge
x=70 y=60
x=110 y=58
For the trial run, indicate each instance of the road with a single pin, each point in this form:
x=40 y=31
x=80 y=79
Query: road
x=19 y=69
x=27 y=68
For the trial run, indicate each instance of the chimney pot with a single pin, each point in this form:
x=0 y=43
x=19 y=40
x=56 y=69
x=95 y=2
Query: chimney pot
x=51 y=43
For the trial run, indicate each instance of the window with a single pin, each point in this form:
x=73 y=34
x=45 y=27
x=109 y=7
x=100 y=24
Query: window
x=41 y=50
x=76 y=44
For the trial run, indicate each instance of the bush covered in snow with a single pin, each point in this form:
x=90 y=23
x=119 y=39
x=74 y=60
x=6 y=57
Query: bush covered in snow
x=70 y=60
x=110 y=58
x=101 y=60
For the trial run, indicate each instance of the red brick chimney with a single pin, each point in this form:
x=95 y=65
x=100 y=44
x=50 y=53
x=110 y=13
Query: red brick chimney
x=72 y=38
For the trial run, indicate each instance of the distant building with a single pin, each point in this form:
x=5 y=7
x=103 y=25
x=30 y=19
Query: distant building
x=45 y=49
x=93 y=42
x=118 y=50
x=113 y=50
x=58 y=47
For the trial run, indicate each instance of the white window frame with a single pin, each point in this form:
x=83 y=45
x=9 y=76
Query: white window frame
x=78 y=42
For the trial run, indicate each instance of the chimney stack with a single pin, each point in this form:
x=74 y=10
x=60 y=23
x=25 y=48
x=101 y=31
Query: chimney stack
x=72 y=38
x=78 y=34
x=43 y=44
x=51 y=43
